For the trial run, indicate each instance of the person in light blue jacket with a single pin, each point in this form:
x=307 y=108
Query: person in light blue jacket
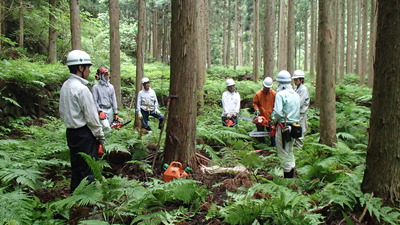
x=298 y=78
x=286 y=112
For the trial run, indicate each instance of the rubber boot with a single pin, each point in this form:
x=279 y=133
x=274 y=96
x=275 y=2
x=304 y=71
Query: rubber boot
x=289 y=174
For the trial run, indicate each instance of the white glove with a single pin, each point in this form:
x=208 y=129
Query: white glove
x=158 y=111
x=140 y=116
x=228 y=116
x=234 y=115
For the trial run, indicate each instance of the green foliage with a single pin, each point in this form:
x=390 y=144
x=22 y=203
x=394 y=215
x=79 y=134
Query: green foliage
x=15 y=208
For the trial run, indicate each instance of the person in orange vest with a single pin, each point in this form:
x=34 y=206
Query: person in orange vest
x=263 y=104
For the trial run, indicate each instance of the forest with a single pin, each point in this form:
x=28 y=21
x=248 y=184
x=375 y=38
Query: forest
x=347 y=172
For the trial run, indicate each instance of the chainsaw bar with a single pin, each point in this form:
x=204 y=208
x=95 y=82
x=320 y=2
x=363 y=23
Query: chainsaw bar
x=259 y=134
x=246 y=118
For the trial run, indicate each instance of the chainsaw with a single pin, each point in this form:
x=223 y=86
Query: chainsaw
x=117 y=124
x=260 y=120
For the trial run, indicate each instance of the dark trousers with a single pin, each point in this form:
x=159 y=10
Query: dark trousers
x=81 y=140
x=145 y=119
x=262 y=139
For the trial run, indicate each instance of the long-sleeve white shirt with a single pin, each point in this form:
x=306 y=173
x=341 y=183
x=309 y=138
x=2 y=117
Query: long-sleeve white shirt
x=147 y=100
x=77 y=107
x=104 y=96
x=230 y=103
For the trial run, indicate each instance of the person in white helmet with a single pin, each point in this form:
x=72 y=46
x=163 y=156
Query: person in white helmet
x=230 y=104
x=104 y=98
x=263 y=104
x=78 y=110
x=147 y=105
x=298 y=78
x=286 y=113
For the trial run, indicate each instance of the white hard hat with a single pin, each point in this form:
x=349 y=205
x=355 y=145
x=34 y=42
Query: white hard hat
x=298 y=74
x=145 y=80
x=283 y=77
x=230 y=82
x=267 y=82
x=78 y=57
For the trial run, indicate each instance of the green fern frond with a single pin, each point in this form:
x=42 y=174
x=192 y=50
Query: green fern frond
x=346 y=136
x=375 y=208
x=93 y=222
x=27 y=177
x=15 y=206
x=96 y=166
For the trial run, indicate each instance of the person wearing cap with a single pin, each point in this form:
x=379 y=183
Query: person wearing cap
x=79 y=113
x=286 y=112
x=147 y=105
x=263 y=104
x=230 y=104
x=298 y=78
x=104 y=98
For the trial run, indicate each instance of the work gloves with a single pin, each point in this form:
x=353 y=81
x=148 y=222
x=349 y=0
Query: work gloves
x=101 y=148
x=102 y=115
x=116 y=117
x=228 y=115
x=257 y=112
x=158 y=112
x=140 y=115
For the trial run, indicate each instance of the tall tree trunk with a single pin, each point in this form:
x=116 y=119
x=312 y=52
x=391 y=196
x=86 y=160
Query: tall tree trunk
x=240 y=41
x=341 y=39
x=52 y=33
x=75 y=21
x=21 y=24
x=290 y=37
x=181 y=130
x=382 y=174
x=269 y=39
x=326 y=40
x=154 y=45
x=359 y=39
x=236 y=35
x=201 y=62
x=207 y=25
x=115 y=62
x=282 y=63
x=225 y=35
x=313 y=38
x=256 y=50
x=141 y=36
x=350 y=37
x=305 y=65
x=229 y=38
x=165 y=37
x=364 y=46
x=372 y=40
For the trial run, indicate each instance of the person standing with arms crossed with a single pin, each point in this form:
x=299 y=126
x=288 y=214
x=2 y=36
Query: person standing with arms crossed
x=79 y=113
x=104 y=98
x=286 y=112
x=298 y=78
x=263 y=104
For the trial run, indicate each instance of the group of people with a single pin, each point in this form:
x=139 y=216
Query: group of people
x=283 y=108
x=87 y=114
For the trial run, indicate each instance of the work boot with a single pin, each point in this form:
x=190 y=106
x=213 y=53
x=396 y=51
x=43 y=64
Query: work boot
x=289 y=174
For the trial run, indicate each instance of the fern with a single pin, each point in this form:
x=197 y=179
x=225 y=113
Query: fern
x=15 y=207
x=375 y=208
x=96 y=166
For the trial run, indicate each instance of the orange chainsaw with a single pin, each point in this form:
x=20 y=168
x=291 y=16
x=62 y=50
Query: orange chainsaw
x=117 y=124
x=260 y=120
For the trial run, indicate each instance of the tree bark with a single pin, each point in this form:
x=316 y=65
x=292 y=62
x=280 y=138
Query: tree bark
x=115 y=62
x=290 y=37
x=269 y=39
x=326 y=41
x=236 y=36
x=75 y=23
x=364 y=45
x=372 y=40
x=141 y=36
x=282 y=63
x=382 y=174
x=52 y=33
x=313 y=38
x=341 y=40
x=21 y=24
x=224 y=35
x=256 y=38
x=201 y=62
x=350 y=37
x=359 y=39
x=181 y=129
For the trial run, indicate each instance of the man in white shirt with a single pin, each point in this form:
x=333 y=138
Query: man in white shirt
x=230 y=104
x=78 y=110
x=147 y=105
